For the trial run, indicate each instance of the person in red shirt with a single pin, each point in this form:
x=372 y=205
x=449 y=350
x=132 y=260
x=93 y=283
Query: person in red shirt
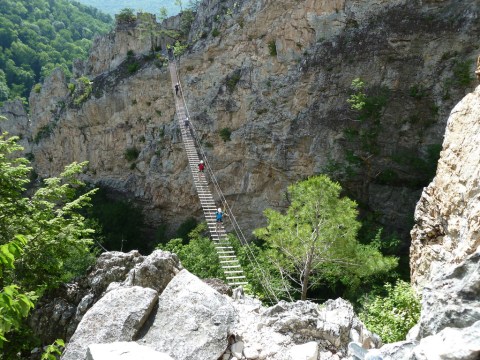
x=201 y=168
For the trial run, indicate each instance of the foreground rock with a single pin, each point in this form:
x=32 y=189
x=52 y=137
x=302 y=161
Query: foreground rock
x=300 y=330
x=445 y=251
x=124 y=351
x=115 y=317
x=193 y=320
x=448 y=214
x=57 y=315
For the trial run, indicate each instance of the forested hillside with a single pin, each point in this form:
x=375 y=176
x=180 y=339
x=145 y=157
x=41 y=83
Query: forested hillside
x=37 y=36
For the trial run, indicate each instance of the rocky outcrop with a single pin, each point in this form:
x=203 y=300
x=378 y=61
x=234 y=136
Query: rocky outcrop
x=288 y=330
x=450 y=318
x=57 y=314
x=117 y=316
x=447 y=216
x=277 y=75
x=445 y=251
x=192 y=321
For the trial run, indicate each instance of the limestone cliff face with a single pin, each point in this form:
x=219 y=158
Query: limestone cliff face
x=447 y=216
x=277 y=75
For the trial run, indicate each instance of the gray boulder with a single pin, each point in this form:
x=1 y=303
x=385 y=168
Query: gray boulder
x=192 y=322
x=123 y=351
x=155 y=271
x=451 y=344
x=452 y=299
x=58 y=313
x=117 y=316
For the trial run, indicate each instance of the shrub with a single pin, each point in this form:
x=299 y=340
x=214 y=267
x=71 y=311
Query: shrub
x=44 y=132
x=131 y=154
x=394 y=315
x=272 y=48
x=233 y=81
x=417 y=91
x=126 y=16
x=462 y=72
x=225 y=134
x=37 y=88
x=215 y=32
x=133 y=67
x=130 y=54
x=84 y=90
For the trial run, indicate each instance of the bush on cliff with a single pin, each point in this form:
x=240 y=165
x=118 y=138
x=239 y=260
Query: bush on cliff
x=393 y=315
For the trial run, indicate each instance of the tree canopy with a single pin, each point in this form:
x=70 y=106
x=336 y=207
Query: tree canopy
x=315 y=241
x=37 y=36
x=44 y=239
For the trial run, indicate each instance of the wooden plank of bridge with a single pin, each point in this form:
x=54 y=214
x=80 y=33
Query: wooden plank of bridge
x=228 y=260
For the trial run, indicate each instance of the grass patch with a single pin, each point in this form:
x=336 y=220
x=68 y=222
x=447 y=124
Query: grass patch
x=225 y=134
x=131 y=154
x=272 y=48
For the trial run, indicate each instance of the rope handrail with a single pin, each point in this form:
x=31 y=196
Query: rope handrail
x=236 y=227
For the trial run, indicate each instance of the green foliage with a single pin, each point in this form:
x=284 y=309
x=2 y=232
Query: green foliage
x=53 y=351
x=261 y=272
x=315 y=241
x=215 y=32
x=38 y=36
x=462 y=72
x=272 y=48
x=225 y=134
x=163 y=13
x=14 y=307
x=133 y=67
x=357 y=99
x=199 y=255
x=417 y=91
x=186 y=21
x=37 y=88
x=131 y=154
x=83 y=89
x=126 y=16
x=233 y=80
x=179 y=48
x=44 y=239
x=44 y=132
x=393 y=315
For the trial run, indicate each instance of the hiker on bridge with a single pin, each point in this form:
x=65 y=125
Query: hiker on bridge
x=188 y=129
x=219 y=218
x=201 y=168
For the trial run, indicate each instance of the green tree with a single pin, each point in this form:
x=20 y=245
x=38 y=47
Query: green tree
x=197 y=256
x=315 y=240
x=179 y=3
x=163 y=13
x=393 y=315
x=43 y=238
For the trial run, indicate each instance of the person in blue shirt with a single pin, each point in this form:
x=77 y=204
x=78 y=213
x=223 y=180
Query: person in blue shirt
x=219 y=218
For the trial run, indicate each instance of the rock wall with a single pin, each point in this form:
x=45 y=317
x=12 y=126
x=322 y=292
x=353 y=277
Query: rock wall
x=447 y=217
x=287 y=113
x=186 y=319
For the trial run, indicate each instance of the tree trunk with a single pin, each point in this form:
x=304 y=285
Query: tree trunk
x=308 y=269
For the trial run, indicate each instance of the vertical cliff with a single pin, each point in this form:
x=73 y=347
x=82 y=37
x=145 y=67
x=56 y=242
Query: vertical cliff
x=276 y=75
x=447 y=216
